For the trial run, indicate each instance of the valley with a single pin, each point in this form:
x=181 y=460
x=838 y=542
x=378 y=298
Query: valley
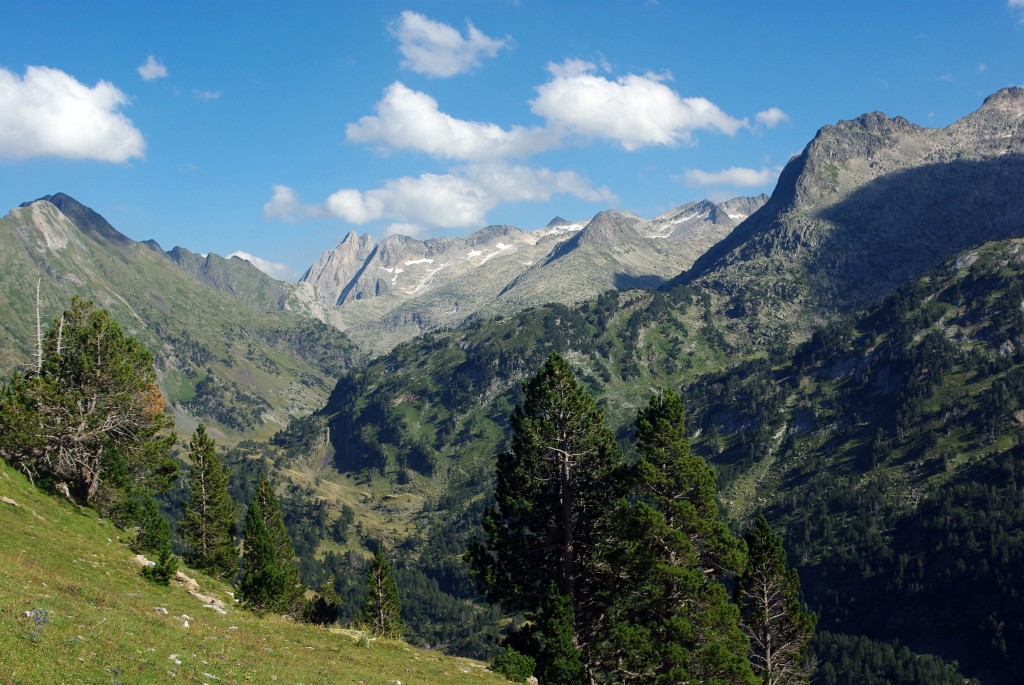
x=850 y=352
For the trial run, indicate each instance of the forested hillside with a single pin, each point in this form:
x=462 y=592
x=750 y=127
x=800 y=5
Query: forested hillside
x=885 y=446
x=889 y=448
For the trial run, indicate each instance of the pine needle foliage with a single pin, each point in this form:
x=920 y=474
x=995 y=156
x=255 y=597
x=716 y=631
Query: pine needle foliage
x=208 y=522
x=381 y=614
x=559 y=661
x=269 y=575
x=93 y=399
x=768 y=593
x=673 y=618
x=551 y=523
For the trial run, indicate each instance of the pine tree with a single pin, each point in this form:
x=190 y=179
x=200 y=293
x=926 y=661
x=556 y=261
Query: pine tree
x=768 y=593
x=163 y=570
x=674 y=621
x=262 y=584
x=559 y=661
x=550 y=522
x=382 y=611
x=208 y=523
x=91 y=400
x=154 y=535
x=152 y=530
x=274 y=522
x=269 y=575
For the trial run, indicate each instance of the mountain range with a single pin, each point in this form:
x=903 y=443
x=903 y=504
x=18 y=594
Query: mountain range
x=243 y=356
x=390 y=292
x=850 y=347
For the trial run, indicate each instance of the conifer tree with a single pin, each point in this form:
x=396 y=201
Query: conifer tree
x=269 y=575
x=322 y=609
x=768 y=593
x=274 y=522
x=91 y=401
x=166 y=564
x=154 y=535
x=673 y=620
x=208 y=523
x=382 y=611
x=550 y=523
x=262 y=584
x=559 y=661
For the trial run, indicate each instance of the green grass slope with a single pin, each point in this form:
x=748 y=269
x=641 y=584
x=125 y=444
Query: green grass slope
x=74 y=609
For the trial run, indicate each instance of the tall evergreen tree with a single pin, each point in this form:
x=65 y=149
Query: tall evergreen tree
x=262 y=584
x=382 y=611
x=550 y=522
x=674 y=621
x=208 y=523
x=284 y=550
x=768 y=593
x=269 y=574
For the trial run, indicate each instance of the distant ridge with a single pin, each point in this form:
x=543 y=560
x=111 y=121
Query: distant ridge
x=390 y=292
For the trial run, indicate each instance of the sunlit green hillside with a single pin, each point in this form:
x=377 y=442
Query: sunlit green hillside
x=74 y=609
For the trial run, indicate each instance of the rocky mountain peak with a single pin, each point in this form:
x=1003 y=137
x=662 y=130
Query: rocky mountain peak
x=870 y=203
x=87 y=221
x=335 y=269
x=1007 y=100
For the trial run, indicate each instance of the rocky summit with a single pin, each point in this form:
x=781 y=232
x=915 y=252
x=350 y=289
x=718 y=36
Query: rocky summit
x=390 y=292
x=869 y=204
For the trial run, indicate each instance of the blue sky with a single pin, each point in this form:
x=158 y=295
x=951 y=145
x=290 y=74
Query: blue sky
x=274 y=128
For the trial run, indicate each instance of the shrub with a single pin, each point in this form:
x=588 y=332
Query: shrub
x=513 y=665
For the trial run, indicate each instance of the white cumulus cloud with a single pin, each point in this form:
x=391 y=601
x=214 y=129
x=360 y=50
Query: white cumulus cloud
x=285 y=205
x=48 y=113
x=356 y=207
x=520 y=183
x=281 y=272
x=410 y=120
x=733 y=176
x=442 y=200
x=455 y=200
x=436 y=49
x=771 y=117
x=635 y=111
x=152 y=69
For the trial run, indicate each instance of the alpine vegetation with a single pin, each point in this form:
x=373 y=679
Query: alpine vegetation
x=617 y=571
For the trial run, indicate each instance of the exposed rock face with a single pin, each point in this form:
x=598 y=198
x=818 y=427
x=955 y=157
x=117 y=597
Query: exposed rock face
x=869 y=204
x=85 y=219
x=390 y=292
x=337 y=268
